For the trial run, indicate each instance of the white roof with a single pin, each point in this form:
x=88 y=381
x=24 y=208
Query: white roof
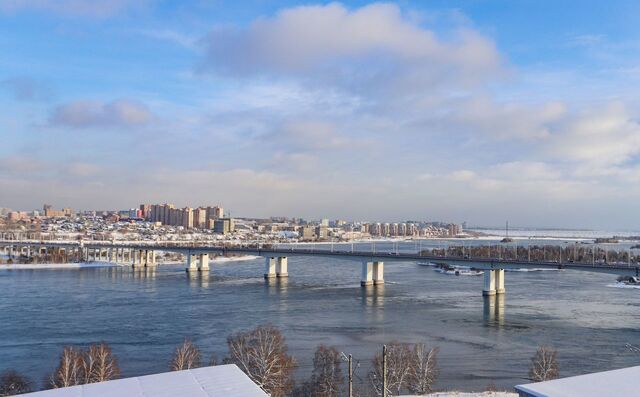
x=620 y=382
x=218 y=381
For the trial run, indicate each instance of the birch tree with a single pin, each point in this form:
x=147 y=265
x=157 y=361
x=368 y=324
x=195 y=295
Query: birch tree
x=70 y=368
x=77 y=366
x=544 y=365
x=262 y=354
x=186 y=356
x=423 y=370
x=100 y=364
x=398 y=369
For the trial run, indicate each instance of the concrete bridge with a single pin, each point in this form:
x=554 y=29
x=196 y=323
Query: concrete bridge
x=143 y=254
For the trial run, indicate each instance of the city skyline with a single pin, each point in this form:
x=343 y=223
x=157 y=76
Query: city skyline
x=478 y=111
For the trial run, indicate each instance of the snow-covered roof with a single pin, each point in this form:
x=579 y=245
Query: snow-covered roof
x=218 y=381
x=619 y=382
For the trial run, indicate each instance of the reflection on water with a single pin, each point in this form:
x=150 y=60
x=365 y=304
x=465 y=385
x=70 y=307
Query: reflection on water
x=373 y=295
x=198 y=279
x=494 y=309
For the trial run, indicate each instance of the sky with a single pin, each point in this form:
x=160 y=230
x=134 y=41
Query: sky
x=455 y=110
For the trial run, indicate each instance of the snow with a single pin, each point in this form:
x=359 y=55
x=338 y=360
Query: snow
x=218 y=381
x=620 y=382
x=234 y=258
x=623 y=285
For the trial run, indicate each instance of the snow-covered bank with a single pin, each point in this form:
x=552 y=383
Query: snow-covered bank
x=623 y=285
x=233 y=258
x=38 y=266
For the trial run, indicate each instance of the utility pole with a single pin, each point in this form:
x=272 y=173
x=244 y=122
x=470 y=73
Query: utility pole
x=384 y=370
x=350 y=375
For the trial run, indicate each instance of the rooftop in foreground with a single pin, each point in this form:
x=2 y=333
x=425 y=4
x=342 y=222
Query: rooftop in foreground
x=218 y=381
x=619 y=382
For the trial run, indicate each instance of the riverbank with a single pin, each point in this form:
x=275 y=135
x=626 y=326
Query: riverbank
x=91 y=265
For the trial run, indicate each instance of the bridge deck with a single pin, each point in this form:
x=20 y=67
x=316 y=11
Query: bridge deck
x=475 y=262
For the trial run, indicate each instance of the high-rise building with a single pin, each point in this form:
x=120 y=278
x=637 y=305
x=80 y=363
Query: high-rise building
x=145 y=210
x=200 y=218
x=187 y=217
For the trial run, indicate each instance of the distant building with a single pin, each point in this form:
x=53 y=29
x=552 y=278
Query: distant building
x=322 y=232
x=145 y=209
x=307 y=233
x=224 y=226
x=454 y=229
x=51 y=213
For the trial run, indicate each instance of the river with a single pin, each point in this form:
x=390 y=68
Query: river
x=144 y=314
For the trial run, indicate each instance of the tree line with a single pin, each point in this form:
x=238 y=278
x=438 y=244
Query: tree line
x=575 y=253
x=262 y=354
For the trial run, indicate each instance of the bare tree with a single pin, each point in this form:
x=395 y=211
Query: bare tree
x=100 y=364
x=399 y=363
x=327 y=376
x=186 y=356
x=262 y=354
x=12 y=383
x=77 y=367
x=70 y=368
x=423 y=370
x=544 y=364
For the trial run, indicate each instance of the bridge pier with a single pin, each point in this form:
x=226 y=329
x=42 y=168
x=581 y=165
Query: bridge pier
x=493 y=282
x=489 y=283
x=367 y=274
x=192 y=263
x=281 y=267
x=372 y=273
x=270 y=267
x=149 y=258
x=378 y=273
x=138 y=260
x=203 y=262
x=499 y=275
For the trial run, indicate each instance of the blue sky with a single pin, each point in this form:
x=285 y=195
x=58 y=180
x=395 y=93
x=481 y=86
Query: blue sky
x=455 y=110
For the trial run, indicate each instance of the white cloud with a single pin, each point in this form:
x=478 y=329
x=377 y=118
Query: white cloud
x=87 y=113
x=375 y=47
x=598 y=137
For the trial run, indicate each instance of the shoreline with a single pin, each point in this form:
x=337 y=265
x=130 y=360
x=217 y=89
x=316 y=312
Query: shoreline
x=101 y=264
